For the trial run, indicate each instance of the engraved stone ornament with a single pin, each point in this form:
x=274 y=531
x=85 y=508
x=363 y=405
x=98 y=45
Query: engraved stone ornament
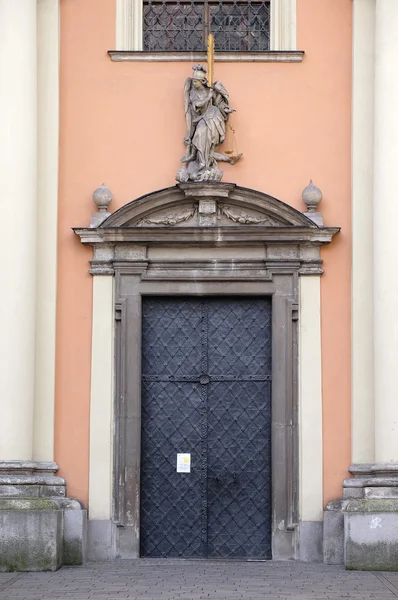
x=206 y=111
x=102 y=197
x=312 y=196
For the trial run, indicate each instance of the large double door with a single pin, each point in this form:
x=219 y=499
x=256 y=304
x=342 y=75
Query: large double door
x=206 y=427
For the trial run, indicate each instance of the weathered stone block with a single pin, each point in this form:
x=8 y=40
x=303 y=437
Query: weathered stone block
x=352 y=493
x=371 y=535
x=100 y=540
x=381 y=492
x=52 y=491
x=333 y=537
x=311 y=541
x=75 y=537
x=31 y=535
x=19 y=491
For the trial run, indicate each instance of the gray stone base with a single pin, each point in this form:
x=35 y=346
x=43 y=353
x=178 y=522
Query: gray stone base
x=40 y=528
x=371 y=535
x=333 y=532
x=127 y=542
x=100 y=540
x=31 y=535
x=75 y=536
x=333 y=535
x=361 y=529
x=311 y=541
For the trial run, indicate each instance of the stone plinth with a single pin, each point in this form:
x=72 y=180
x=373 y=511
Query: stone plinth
x=361 y=530
x=371 y=535
x=31 y=535
x=333 y=532
x=29 y=479
x=40 y=528
x=75 y=532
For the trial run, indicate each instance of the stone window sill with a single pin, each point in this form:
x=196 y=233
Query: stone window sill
x=284 y=56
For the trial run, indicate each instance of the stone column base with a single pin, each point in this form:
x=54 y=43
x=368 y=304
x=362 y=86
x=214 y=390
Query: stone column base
x=371 y=535
x=41 y=529
x=31 y=534
x=361 y=529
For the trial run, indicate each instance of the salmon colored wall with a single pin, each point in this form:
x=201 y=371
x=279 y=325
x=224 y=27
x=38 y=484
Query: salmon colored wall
x=123 y=124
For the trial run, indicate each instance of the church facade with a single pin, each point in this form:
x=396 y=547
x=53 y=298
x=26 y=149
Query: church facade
x=198 y=312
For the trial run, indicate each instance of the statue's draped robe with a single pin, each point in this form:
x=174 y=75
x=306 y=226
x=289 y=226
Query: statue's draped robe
x=208 y=126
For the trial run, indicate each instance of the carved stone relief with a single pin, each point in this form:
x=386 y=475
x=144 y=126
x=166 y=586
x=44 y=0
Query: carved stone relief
x=174 y=218
x=245 y=218
x=207 y=213
x=211 y=205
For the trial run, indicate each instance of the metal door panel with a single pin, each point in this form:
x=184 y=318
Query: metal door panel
x=172 y=421
x=239 y=337
x=239 y=468
x=171 y=502
x=171 y=337
x=206 y=391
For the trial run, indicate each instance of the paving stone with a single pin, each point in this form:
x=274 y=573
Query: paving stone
x=149 y=579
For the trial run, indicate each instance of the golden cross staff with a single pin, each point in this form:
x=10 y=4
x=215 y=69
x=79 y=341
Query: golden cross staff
x=210 y=59
x=210 y=81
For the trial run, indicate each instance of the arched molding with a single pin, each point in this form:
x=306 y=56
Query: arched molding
x=259 y=208
x=208 y=214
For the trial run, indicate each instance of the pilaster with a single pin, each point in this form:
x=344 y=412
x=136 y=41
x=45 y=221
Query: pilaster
x=129 y=24
x=362 y=231
x=361 y=529
x=310 y=420
x=47 y=226
x=283 y=25
x=385 y=219
x=18 y=158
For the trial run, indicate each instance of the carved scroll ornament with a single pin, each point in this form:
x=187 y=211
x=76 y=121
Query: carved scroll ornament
x=170 y=218
x=243 y=218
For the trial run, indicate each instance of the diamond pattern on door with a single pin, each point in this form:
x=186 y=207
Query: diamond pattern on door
x=206 y=391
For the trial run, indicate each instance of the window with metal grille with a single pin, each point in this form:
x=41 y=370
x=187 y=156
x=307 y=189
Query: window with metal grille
x=184 y=26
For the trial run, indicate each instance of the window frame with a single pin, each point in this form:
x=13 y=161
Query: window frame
x=129 y=33
x=206 y=13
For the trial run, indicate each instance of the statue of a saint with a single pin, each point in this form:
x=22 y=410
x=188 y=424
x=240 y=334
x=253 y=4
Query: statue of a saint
x=206 y=110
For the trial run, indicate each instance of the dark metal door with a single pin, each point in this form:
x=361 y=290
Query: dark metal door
x=206 y=391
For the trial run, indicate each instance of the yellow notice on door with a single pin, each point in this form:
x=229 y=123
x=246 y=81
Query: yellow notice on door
x=183 y=463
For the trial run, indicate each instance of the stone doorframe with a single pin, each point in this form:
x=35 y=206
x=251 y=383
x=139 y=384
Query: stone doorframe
x=197 y=239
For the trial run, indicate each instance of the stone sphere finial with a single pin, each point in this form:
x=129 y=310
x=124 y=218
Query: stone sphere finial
x=312 y=196
x=102 y=198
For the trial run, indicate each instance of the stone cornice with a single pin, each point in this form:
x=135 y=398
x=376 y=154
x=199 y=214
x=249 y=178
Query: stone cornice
x=207 y=215
x=196 y=236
